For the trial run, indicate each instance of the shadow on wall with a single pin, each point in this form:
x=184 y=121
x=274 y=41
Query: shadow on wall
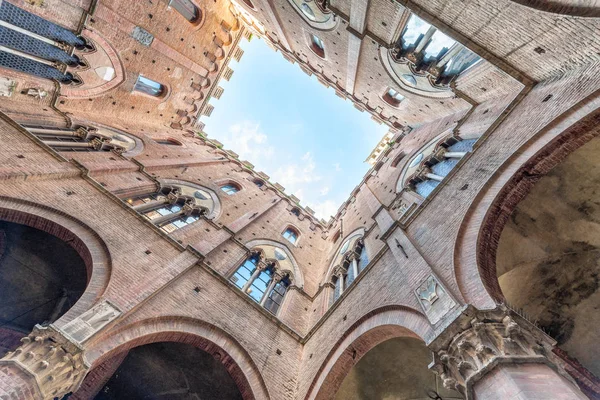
x=548 y=260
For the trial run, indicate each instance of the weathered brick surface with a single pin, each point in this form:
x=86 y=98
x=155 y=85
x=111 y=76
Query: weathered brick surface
x=167 y=292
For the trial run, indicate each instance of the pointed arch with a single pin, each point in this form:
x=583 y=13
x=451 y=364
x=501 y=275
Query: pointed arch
x=200 y=334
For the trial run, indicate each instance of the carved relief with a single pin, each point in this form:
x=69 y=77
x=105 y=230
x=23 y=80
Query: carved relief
x=478 y=340
x=92 y=321
x=434 y=299
x=54 y=363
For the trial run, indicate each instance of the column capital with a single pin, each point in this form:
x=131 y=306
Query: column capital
x=477 y=341
x=51 y=363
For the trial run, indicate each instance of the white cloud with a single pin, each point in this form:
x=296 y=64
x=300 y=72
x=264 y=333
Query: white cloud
x=247 y=140
x=325 y=209
x=293 y=175
x=337 y=167
x=324 y=191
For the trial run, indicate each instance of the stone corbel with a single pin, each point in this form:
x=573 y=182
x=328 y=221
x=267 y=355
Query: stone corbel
x=52 y=363
x=477 y=341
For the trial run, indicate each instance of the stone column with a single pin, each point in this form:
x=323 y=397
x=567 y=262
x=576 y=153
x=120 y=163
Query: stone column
x=277 y=277
x=45 y=366
x=497 y=354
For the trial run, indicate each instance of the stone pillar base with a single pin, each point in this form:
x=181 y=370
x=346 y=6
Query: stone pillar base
x=525 y=382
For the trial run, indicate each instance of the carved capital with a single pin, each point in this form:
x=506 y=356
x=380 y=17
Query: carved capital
x=53 y=364
x=477 y=341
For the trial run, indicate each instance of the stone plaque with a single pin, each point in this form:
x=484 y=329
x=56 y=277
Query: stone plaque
x=86 y=325
x=434 y=299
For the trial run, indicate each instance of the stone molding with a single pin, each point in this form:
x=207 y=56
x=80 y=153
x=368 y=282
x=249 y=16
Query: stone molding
x=53 y=363
x=477 y=341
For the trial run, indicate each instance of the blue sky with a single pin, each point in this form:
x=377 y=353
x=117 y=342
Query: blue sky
x=293 y=129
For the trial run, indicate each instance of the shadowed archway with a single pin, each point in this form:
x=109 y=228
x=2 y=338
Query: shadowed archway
x=41 y=278
x=169 y=370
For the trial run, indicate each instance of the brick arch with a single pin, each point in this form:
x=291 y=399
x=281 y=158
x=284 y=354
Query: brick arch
x=576 y=8
x=479 y=235
x=86 y=242
x=372 y=329
x=200 y=334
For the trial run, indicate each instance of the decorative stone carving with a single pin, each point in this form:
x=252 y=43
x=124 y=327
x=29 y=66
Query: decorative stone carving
x=90 y=322
x=52 y=362
x=434 y=299
x=142 y=36
x=477 y=341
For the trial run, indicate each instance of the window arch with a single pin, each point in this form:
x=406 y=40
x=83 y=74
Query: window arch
x=317 y=45
x=432 y=163
x=249 y=4
x=264 y=276
x=393 y=97
x=295 y=211
x=349 y=261
x=230 y=188
x=175 y=205
x=259 y=182
x=168 y=142
x=84 y=139
x=29 y=38
x=397 y=159
x=149 y=87
x=291 y=235
x=187 y=8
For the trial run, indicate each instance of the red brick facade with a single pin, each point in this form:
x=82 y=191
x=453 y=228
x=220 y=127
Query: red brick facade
x=527 y=109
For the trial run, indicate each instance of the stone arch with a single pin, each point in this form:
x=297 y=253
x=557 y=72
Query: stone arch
x=298 y=276
x=87 y=243
x=372 y=329
x=475 y=271
x=215 y=212
x=356 y=232
x=203 y=335
x=106 y=53
x=576 y=8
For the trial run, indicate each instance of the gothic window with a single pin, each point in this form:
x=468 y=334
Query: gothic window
x=431 y=52
x=263 y=277
x=149 y=87
x=35 y=46
x=258 y=182
x=315 y=13
x=349 y=261
x=174 y=206
x=428 y=168
x=291 y=235
x=187 y=9
x=83 y=139
x=317 y=46
x=296 y=211
x=393 y=97
x=230 y=188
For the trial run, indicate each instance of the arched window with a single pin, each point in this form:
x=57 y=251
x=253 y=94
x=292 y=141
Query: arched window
x=168 y=142
x=149 y=87
x=296 y=211
x=291 y=235
x=317 y=46
x=433 y=163
x=83 y=139
x=174 y=206
x=230 y=188
x=38 y=47
x=249 y=4
x=350 y=260
x=259 y=182
x=187 y=9
x=263 y=277
x=393 y=97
